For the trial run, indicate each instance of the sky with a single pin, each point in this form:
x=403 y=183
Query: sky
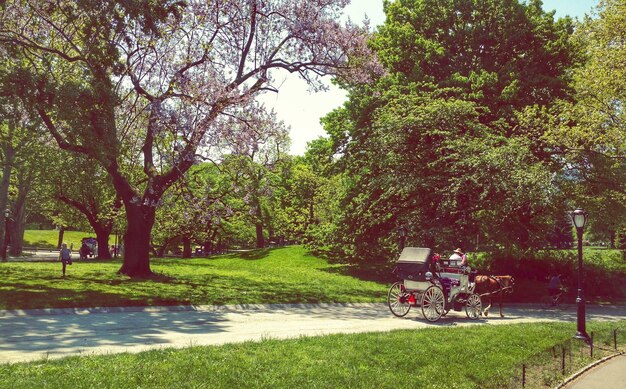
x=301 y=110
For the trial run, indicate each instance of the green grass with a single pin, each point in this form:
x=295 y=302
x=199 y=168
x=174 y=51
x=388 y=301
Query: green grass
x=450 y=357
x=282 y=275
x=50 y=238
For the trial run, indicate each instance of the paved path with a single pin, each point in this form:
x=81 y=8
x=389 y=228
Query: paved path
x=40 y=256
x=607 y=375
x=31 y=335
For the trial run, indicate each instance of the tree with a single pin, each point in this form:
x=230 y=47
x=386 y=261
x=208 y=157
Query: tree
x=254 y=162
x=590 y=132
x=29 y=173
x=194 y=210
x=322 y=190
x=19 y=135
x=87 y=188
x=186 y=68
x=502 y=55
x=442 y=143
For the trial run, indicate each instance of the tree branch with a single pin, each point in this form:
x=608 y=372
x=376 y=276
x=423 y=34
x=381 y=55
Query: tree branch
x=63 y=144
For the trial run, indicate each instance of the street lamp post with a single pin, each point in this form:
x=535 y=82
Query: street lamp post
x=579 y=217
x=5 y=247
x=402 y=238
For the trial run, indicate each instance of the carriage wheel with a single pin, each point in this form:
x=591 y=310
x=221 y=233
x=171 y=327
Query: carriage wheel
x=433 y=303
x=397 y=300
x=473 y=306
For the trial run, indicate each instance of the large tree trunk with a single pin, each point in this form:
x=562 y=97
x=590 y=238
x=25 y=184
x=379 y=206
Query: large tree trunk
x=102 y=236
x=612 y=239
x=60 y=240
x=25 y=180
x=9 y=155
x=186 y=247
x=140 y=220
x=17 y=230
x=260 y=240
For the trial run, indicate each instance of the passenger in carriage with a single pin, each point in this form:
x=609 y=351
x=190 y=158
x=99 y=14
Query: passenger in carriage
x=435 y=264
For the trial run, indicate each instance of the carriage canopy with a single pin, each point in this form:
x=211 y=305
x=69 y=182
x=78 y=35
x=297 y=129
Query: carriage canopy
x=416 y=255
x=413 y=263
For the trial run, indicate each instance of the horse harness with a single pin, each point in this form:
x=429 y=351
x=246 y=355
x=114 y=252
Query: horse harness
x=502 y=289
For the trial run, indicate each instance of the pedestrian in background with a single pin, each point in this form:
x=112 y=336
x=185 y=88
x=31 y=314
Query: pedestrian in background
x=65 y=256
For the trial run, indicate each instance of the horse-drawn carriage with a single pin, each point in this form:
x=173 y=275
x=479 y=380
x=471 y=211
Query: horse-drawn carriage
x=433 y=286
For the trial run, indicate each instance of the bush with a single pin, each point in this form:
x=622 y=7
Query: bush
x=604 y=270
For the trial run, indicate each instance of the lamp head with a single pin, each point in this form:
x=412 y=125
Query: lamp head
x=579 y=217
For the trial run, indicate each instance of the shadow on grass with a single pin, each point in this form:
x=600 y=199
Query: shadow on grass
x=367 y=273
x=22 y=295
x=154 y=277
x=250 y=255
x=41 y=244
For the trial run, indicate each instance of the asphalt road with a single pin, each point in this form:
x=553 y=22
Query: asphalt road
x=32 y=335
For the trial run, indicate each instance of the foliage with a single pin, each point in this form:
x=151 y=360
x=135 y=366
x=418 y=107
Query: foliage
x=175 y=76
x=77 y=183
x=194 y=210
x=562 y=237
x=442 y=144
x=500 y=55
x=604 y=270
x=591 y=131
x=253 y=166
x=21 y=137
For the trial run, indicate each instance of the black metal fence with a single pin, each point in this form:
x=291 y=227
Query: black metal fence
x=552 y=367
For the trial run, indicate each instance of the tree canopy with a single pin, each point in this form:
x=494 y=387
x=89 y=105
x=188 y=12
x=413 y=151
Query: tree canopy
x=444 y=143
x=472 y=124
x=171 y=75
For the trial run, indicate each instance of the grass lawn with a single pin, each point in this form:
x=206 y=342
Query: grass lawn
x=444 y=356
x=282 y=275
x=50 y=238
x=449 y=357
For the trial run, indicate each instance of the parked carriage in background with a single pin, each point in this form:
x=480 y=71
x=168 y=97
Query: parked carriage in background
x=435 y=286
x=88 y=248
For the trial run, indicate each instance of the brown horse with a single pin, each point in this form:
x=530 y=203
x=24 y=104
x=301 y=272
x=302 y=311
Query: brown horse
x=487 y=286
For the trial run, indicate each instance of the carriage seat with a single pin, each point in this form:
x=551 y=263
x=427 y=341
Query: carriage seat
x=454 y=279
x=451 y=262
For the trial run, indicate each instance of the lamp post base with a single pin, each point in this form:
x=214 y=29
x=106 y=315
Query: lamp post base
x=582 y=336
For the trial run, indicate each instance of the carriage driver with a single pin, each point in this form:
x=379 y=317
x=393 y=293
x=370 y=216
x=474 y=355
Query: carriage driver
x=457 y=256
x=460 y=255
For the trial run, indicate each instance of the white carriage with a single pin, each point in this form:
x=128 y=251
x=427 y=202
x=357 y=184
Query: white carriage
x=433 y=286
